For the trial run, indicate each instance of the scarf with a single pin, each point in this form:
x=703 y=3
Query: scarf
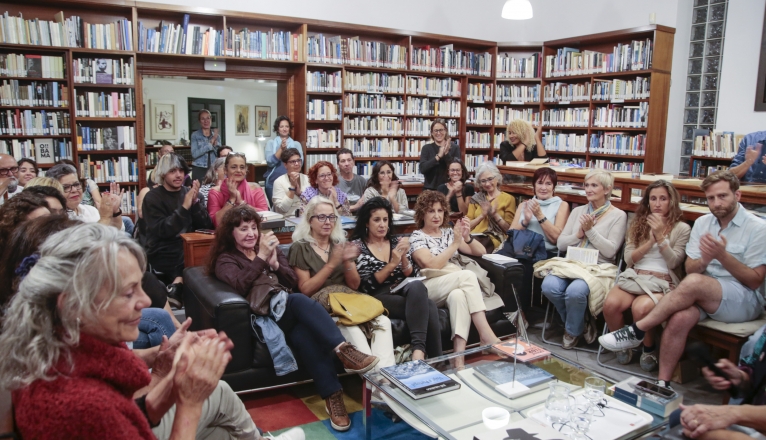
x=598 y=213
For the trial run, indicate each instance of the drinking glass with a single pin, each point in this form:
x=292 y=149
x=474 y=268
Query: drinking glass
x=594 y=389
x=580 y=419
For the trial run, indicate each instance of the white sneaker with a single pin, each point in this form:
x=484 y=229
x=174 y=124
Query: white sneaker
x=622 y=339
x=293 y=434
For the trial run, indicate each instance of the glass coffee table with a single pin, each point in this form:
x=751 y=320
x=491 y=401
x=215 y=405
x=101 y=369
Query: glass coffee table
x=457 y=414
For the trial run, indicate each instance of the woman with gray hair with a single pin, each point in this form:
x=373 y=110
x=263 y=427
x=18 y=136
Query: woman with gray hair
x=215 y=175
x=490 y=210
x=108 y=213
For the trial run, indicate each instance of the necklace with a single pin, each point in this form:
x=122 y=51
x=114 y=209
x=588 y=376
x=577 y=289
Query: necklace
x=326 y=251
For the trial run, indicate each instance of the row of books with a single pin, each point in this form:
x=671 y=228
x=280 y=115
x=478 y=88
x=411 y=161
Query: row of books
x=432 y=107
x=479 y=115
x=703 y=170
x=121 y=137
x=34 y=123
x=118 y=169
x=472 y=161
x=324 y=82
x=313 y=158
x=573 y=162
x=374 y=82
x=566 y=92
x=717 y=144
x=378 y=147
x=433 y=87
x=323 y=138
x=479 y=92
x=263 y=45
x=31 y=66
x=105 y=105
x=611 y=89
x=355 y=52
x=376 y=104
x=617 y=166
x=508 y=66
x=321 y=110
x=412 y=147
x=128 y=204
x=555 y=140
x=66 y=32
x=103 y=71
x=627 y=116
x=446 y=59
x=636 y=55
x=618 y=143
x=43 y=150
x=422 y=127
x=34 y=94
x=373 y=126
x=504 y=115
x=182 y=39
x=517 y=94
x=476 y=139
x=566 y=117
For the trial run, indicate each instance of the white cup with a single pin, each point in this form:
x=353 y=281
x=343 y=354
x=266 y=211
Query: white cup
x=495 y=417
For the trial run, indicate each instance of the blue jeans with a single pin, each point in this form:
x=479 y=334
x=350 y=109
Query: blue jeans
x=570 y=297
x=154 y=324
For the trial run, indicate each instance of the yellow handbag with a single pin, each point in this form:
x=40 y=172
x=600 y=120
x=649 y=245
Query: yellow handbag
x=354 y=308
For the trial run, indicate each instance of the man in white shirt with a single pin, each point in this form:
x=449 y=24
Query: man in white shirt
x=9 y=185
x=350 y=183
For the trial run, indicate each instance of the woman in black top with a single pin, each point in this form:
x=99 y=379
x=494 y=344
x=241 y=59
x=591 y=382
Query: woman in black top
x=457 y=191
x=436 y=156
x=523 y=144
x=382 y=265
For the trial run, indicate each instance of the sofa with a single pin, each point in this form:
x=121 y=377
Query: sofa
x=213 y=304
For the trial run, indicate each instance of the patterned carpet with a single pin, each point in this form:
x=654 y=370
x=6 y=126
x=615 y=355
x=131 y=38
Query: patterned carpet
x=278 y=410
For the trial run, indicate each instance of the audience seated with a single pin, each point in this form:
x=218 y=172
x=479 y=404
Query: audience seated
x=224 y=150
x=655 y=246
x=165 y=149
x=597 y=225
x=325 y=263
x=436 y=156
x=323 y=180
x=46 y=181
x=431 y=247
x=275 y=148
x=749 y=165
x=235 y=190
x=215 y=175
x=490 y=210
x=385 y=262
x=384 y=183
x=351 y=184
x=456 y=189
x=726 y=266
x=169 y=210
x=545 y=213
x=245 y=259
x=289 y=186
x=523 y=144
x=108 y=213
x=53 y=196
x=91 y=195
x=25 y=206
x=27 y=171
x=8 y=179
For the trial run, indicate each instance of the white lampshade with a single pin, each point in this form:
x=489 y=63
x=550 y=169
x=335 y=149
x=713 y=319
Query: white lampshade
x=517 y=10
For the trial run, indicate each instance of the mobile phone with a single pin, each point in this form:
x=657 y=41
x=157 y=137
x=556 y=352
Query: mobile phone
x=656 y=390
x=206 y=231
x=699 y=352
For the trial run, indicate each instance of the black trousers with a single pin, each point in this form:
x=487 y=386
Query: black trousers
x=154 y=289
x=420 y=314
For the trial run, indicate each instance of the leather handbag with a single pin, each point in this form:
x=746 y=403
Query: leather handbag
x=639 y=284
x=264 y=287
x=524 y=245
x=355 y=308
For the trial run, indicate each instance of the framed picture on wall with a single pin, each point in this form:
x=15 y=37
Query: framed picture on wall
x=242 y=119
x=163 y=119
x=262 y=121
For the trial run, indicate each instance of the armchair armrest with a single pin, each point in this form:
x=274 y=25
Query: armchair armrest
x=503 y=276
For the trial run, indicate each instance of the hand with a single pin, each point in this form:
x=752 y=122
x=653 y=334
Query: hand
x=393 y=187
x=115 y=191
x=336 y=255
x=350 y=252
x=274 y=260
x=191 y=196
x=268 y=243
x=459 y=230
x=586 y=222
x=486 y=208
x=527 y=210
x=234 y=195
x=399 y=251
x=163 y=363
x=295 y=180
x=456 y=187
x=214 y=139
x=699 y=419
x=753 y=153
x=444 y=149
x=534 y=206
x=712 y=248
x=106 y=209
x=736 y=376
x=334 y=196
x=657 y=224
x=283 y=145
x=466 y=228
x=198 y=367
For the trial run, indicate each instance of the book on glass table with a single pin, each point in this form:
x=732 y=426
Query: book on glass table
x=418 y=379
x=500 y=375
x=523 y=351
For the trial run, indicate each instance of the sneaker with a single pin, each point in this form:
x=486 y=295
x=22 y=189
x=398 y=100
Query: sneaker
x=569 y=341
x=625 y=356
x=649 y=361
x=337 y=411
x=354 y=361
x=664 y=384
x=621 y=339
x=293 y=434
x=175 y=295
x=590 y=330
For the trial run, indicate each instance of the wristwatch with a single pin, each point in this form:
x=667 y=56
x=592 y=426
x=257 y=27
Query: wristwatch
x=291 y=189
x=543 y=220
x=117 y=214
x=469 y=241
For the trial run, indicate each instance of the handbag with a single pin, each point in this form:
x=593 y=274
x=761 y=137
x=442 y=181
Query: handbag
x=485 y=241
x=524 y=245
x=264 y=287
x=355 y=308
x=638 y=284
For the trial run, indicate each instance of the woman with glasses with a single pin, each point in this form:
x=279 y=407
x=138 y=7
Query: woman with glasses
x=289 y=187
x=491 y=211
x=323 y=180
x=523 y=143
x=436 y=156
x=275 y=167
x=27 y=171
x=384 y=183
x=109 y=213
x=457 y=191
x=91 y=195
x=235 y=190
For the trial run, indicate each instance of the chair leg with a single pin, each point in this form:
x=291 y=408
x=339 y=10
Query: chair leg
x=622 y=370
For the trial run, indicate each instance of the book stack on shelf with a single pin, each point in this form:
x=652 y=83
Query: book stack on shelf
x=324 y=138
x=517 y=90
x=32 y=66
x=264 y=45
x=121 y=137
x=35 y=123
x=66 y=32
x=324 y=82
x=14 y=93
x=636 y=55
x=118 y=169
x=354 y=51
x=180 y=38
x=447 y=59
x=43 y=150
x=713 y=151
x=103 y=71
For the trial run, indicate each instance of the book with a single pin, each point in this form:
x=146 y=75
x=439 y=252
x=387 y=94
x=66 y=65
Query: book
x=103 y=71
x=583 y=255
x=406 y=281
x=44 y=151
x=499 y=374
x=627 y=392
x=34 y=66
x=524 y=351
x=418 y=379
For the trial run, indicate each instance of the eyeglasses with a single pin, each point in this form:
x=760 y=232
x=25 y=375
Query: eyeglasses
x=236 y=154
x=69 y=188
x=456 y=171
x=324 y=176
x=324 y=217
x=295 y=161
x=439 y=130
x=6 y=171
x=484 y=181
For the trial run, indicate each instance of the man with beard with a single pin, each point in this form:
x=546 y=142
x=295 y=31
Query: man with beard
x=726 y=266
x=9 y=185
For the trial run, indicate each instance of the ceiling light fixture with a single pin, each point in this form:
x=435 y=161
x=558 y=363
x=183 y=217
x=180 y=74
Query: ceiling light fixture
x=517 y=10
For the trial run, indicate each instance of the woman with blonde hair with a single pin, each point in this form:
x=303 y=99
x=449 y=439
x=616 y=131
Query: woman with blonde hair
x=522 y=144
x=45 y=181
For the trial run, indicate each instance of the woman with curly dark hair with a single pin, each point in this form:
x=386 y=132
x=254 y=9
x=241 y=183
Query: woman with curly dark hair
x=656 y=245
x=323 y=180
x=241 y=257
x=274 y=149
x=384 y=183
x=383 y=264
x=431 y=247
x=27 y=171
x=456 y=189
x=25 y=206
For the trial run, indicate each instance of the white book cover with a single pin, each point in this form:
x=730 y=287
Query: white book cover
x=583 y=255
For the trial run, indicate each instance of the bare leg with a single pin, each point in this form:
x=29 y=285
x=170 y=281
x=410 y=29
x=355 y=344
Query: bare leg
x=486 y=335
x=178 y=280
x=458 y=343
x=616 y=303
x=694 y=289
x=172 y=316
x=641 y=307
x=674 y=338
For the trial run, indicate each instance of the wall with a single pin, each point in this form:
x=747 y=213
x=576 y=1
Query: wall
x=674 y=132
x=234 y=92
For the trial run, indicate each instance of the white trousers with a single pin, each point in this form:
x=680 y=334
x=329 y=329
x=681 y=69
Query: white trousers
x=462 y=294
x=381 y=345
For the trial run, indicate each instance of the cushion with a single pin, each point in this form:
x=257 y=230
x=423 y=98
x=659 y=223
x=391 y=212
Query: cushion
x=741 y=329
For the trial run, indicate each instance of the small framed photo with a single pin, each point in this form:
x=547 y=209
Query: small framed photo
x=163 y=119
x=242 y=120
x=262 y=121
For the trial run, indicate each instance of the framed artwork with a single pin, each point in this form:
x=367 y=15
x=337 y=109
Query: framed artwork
x=217 y=109
x=262 y=121
x=163 y=119
x=242 y=119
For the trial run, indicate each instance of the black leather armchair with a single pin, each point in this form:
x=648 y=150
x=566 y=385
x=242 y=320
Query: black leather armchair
x=213 y=304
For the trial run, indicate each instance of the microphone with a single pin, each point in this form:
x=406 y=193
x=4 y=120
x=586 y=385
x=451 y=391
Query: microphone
x=697 y=351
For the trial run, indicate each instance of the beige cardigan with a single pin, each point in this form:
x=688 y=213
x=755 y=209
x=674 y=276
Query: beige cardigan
x=606 y=235
x=674 y=255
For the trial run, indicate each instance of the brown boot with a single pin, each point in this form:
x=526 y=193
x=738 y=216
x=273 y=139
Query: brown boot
x=354 y=361
x=337 y=410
